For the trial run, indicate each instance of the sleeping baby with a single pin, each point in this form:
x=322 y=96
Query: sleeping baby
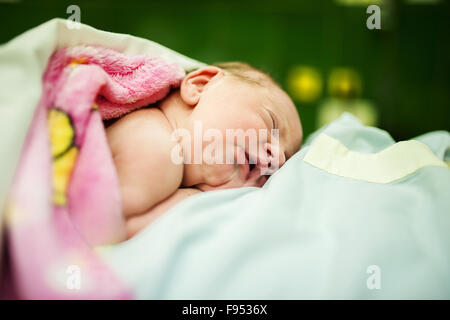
x=231 y=97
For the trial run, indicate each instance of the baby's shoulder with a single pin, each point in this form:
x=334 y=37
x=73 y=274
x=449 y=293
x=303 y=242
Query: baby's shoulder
x=140 y=126
x=142 y=134
x=141 y=120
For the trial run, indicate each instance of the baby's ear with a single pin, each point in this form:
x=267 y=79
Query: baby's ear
x=195 y=82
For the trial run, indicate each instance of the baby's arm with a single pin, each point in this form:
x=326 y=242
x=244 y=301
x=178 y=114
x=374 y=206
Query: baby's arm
x=139 y=222
x=141 y=145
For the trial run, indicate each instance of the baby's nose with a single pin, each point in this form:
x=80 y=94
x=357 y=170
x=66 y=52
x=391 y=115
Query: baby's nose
x=274 y=159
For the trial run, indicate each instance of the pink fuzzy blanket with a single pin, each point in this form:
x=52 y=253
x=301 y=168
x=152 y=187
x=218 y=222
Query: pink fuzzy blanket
x=65 y=196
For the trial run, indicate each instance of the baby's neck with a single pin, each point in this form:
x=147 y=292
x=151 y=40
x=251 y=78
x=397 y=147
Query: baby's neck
x=175 y=110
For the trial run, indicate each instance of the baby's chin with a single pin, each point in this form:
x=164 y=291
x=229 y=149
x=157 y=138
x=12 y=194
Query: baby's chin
x=221 y=176
x=229 y=176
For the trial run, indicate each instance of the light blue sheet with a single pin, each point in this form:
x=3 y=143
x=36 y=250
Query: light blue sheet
x=306 y=234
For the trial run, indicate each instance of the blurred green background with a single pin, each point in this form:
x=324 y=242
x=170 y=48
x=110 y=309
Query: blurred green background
x=399 y=75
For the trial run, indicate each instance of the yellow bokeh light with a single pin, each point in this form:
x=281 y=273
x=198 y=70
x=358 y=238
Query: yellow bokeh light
x=304 y=83
x=332 y=108
x=344 y=83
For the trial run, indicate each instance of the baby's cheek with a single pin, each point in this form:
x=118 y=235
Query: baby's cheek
x=241 y=120
x=247 y=121
x=221 y=173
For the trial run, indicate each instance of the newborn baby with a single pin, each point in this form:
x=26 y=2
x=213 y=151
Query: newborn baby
x=220 y=97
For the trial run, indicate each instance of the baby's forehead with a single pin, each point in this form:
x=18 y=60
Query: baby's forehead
x=289 y=119
x=278 y=100
x=266 y=92
x=268 y=95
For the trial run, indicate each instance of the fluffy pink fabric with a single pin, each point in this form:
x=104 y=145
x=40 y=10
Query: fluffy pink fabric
x=131 y=81
x=65 y=197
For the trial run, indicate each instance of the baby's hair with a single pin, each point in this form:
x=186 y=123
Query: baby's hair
x=246 y=72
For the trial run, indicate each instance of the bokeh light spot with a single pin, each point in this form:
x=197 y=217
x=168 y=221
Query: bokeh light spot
x=304 y=84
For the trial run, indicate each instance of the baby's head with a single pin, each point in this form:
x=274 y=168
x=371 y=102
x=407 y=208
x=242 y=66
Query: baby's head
x=235 y=107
